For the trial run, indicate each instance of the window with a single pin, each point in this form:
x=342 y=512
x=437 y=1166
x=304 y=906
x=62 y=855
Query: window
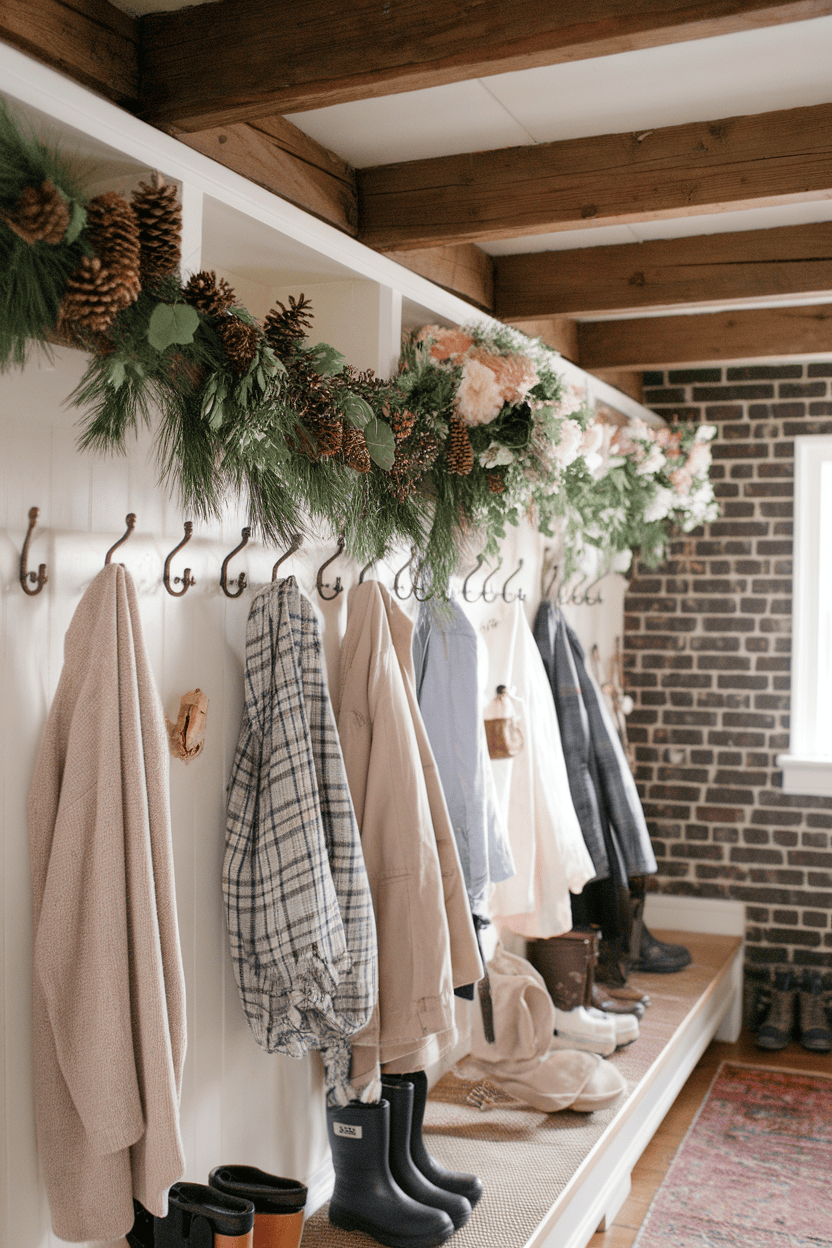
x=807 y=768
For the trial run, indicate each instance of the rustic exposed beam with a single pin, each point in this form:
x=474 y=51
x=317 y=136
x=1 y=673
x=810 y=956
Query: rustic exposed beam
x=793 y=260
x=467 y=271
x=558 y=332
x=275 y=154
x=238 y=59
x=675 y=171
x=88 y=40
x=709 y=338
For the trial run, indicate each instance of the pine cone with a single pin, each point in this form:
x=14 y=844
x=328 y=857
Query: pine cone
x=460 y=450
x=239 y=342
x=40 y=215
x=113 y=234
x=92 y=299
x=210 y=297
x=327 y=432
x=354 y=449
x=159 y=216
x=286 y=329
x=496 y=484
x=402 y=424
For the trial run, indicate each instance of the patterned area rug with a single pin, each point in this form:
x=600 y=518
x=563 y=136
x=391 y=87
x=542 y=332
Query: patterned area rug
x=755 y=1168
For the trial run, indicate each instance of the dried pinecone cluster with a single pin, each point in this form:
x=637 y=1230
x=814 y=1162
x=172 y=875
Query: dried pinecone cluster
x=40 y=215
x=132 y=243
x=214 y=298
x=415 y=454
x=460 y=450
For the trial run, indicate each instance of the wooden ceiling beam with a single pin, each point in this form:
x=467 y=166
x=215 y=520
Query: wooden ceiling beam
x=235 y=60
x=91 y=41
x=794 y=260
x=707 y=338
x=674 y=171
x=467 y=271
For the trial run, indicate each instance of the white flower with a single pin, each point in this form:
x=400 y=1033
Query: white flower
x=663 y=500
x=622 y=561
x=592 y=439
x=478 y=399
x=699 y=459
x=569 y=444
x=626 y=704
x=704 y=433
x=652 y=463
x=495 y=455
x=572 y=401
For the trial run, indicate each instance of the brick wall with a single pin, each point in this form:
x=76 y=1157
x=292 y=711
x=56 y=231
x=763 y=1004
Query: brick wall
x=707 y=656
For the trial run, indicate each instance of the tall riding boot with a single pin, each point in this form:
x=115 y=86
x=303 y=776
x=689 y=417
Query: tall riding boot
x=366 y=1196
x=278 y=1203
x=564 y=962
x=467 y=1185
x=199 y=1217
x=402 y=1166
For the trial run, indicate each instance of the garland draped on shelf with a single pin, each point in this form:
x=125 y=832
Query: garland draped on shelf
x=476 y=431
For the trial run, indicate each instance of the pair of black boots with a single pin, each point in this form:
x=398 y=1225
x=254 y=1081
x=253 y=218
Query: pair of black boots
x=386 y=1183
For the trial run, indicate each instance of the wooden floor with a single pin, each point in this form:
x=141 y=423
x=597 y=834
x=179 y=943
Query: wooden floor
x=656 y=1158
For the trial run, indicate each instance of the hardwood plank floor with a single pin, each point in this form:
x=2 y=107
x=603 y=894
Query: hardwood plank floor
x=656 y=1158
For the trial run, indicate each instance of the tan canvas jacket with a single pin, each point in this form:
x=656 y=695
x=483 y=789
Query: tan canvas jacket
x=426 y=941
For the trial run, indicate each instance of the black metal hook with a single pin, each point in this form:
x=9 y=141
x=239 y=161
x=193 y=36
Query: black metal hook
x=130 y=521
x=484 y=590
x=520 y=595
x=241 y=579
x=319 y=581
x=421 y=597
x=552 y=580
x=473 y=572
x=402 y=569
x=297 y=542
x=38 y=578
x=186 y=579
x=593 y=602
x=365 y=570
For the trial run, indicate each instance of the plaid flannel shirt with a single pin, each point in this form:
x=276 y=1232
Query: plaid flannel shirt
x=298 y=905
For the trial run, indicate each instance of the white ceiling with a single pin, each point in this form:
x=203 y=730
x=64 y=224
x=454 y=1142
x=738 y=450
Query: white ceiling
x=754 y=71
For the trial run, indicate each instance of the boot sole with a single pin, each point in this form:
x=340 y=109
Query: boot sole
x=349 y=1222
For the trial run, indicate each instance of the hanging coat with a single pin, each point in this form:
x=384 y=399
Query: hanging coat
x=448 y=656
x=533 y=789
x=426 y=940
x=298 y=905
x=108 y=993
x=593 y=729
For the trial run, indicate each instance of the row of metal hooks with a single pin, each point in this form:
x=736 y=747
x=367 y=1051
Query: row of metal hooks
x=578 y=596
x=33 y=582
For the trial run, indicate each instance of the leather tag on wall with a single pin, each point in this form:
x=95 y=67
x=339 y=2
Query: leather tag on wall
x=187 y=735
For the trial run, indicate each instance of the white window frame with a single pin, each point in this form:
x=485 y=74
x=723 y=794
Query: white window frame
x=807 y=768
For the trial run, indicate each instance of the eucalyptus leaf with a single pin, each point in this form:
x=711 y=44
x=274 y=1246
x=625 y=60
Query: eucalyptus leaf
x=326 y=360
x=356 y=410
x=77 y=221
x=172 y=323
x=381 y=443
x=116 y=372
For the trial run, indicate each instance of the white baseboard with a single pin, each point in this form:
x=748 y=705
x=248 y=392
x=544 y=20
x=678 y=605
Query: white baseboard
x=320 y=1186
x=694 y=914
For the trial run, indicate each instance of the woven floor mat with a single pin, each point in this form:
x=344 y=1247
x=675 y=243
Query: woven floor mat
x=526 y=1158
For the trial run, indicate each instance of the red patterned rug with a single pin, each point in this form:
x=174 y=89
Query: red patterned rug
x=754 y=1170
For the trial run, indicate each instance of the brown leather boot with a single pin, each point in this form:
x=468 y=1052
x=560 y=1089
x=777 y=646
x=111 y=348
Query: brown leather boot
x=564 y=962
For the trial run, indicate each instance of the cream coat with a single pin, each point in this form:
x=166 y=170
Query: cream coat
x=108 y=994
x=426 y=941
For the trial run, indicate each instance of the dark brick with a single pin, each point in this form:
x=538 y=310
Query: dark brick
x=820 y=409
x=700 y=606
x=763 y=372
x=687 y=680
x=739 y=472
x=714 y=852
x=755 y=855
x=742 y=682
x=736 y=624
x=788 y=411
x=720 y=814
x=668 y=623
x=732 y=430
x=773 y=819
x=809 y=858
x=773 y=663
x=805 y=428
x=690 y=376
x=818 y=370
x=666 y=395
x=704 y=719
x=772 y=510
x=741 y=776
x=726 y=836
x=722 y=394
x=720 y=645
x=769 y=489
x=774 y=548
x=787 y=918
x=788 y=839
x=753 y=606
x=654 y=379
x=740 y=450
x=773 y=471
x=747 y=720
x=726 y=796
x=815 y=918
x=723 y=411
x=747 y=740
x=739 y=528
x=806 y=390
x=756 y=836
x=793 y=936
x=771 y=585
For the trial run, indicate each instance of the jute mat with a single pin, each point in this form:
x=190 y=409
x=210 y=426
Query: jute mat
x=526 y=1158
x=754 y=1168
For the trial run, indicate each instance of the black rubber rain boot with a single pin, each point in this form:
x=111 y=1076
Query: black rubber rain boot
x=278 y=1203
x=467 y=1185
x=660 y=957
x=366 y=1196
x=199 y=1217
x=402 y=1166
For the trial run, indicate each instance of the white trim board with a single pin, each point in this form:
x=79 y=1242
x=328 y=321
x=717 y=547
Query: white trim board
x=668 y=912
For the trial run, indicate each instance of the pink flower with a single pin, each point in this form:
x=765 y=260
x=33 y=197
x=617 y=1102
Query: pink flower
x=569 y=444
x=681 y=480
x=478 y=399
x=515 y=374
x=445 y=342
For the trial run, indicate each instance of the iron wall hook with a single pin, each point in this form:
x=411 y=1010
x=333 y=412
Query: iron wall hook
x=297 y=542
x=241 y=579
x=130 y=521
x=519 y=596
x=484 y=591
x=365 y=570
x=38 y=578
x=186 y=579
x=594 y=601
x=473 y=572
x=401 y=570
x=319 y=581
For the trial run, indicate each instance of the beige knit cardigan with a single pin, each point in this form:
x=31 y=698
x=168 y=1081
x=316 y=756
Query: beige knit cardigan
x=108 y=998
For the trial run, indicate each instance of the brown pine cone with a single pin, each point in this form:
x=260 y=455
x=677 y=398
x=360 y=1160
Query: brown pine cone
x=92 y=299
x=40 y=215
x=354 y=449
x=113 y=233
x=327 y=432
x=460 y=450
x=496 y=484
x=210 y=297
x=159 y=215
x=402 y=424
x=286 y=329
x=239 y=342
